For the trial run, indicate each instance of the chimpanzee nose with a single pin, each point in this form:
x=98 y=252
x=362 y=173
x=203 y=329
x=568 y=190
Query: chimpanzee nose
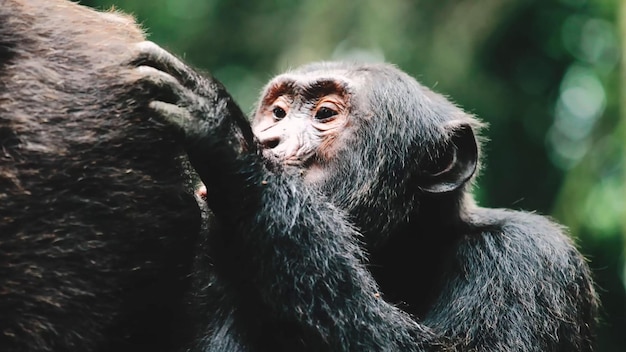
x=282 y=140
x=270 y=142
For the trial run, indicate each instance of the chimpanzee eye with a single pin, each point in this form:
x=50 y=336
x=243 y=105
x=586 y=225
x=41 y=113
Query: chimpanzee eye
x=279 y=113
x=325 y=113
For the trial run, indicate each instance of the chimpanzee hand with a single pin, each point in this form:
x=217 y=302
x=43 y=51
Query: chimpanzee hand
x=215 y=131
x=188 y=101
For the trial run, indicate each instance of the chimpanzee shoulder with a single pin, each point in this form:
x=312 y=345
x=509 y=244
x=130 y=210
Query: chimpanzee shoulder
x=97 y=226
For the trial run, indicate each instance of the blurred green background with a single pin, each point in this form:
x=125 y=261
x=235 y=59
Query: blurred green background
x=545 y=75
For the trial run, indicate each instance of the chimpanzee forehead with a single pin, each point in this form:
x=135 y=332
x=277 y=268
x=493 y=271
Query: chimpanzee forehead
x=308 y=86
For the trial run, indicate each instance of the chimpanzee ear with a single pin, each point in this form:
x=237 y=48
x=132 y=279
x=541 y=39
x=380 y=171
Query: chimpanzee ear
x=453 y=166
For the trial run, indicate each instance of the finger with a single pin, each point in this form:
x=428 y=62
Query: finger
x=157 y=77
x=173 y=115
x=170 y=88
x=201 y=192
x=171 y=112
x=150 y=54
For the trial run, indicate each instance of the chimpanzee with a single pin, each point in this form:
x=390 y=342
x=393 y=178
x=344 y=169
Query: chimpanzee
x=343 y=221
x=98 y=223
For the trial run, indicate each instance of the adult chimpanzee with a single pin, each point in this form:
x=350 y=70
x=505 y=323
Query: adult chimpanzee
x=347 y=157
x=97 y=229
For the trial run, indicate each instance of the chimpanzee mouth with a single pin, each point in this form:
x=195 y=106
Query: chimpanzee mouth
x=302 y=162
x=301 y=166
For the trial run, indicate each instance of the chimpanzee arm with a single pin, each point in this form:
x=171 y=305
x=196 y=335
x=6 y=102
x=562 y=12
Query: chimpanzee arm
x=283 y=251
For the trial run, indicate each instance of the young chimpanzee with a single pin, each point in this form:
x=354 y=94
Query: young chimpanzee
x=343 y=221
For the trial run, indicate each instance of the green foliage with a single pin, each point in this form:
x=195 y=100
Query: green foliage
x=543 y=74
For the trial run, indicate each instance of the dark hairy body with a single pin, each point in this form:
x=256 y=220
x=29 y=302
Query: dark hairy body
x=97 y=227
x=340 y=219
x=346 y=224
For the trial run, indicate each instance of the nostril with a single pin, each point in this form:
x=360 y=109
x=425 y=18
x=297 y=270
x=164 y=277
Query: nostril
x=271 y=143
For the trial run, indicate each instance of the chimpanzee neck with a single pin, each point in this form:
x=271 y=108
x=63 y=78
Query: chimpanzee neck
x=409 y=266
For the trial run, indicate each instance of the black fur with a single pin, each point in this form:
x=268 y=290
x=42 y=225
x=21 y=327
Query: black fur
x=97 y=231
x=289 y=271
x=389 y=253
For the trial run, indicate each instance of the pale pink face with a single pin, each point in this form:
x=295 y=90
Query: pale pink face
x=300 y=120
